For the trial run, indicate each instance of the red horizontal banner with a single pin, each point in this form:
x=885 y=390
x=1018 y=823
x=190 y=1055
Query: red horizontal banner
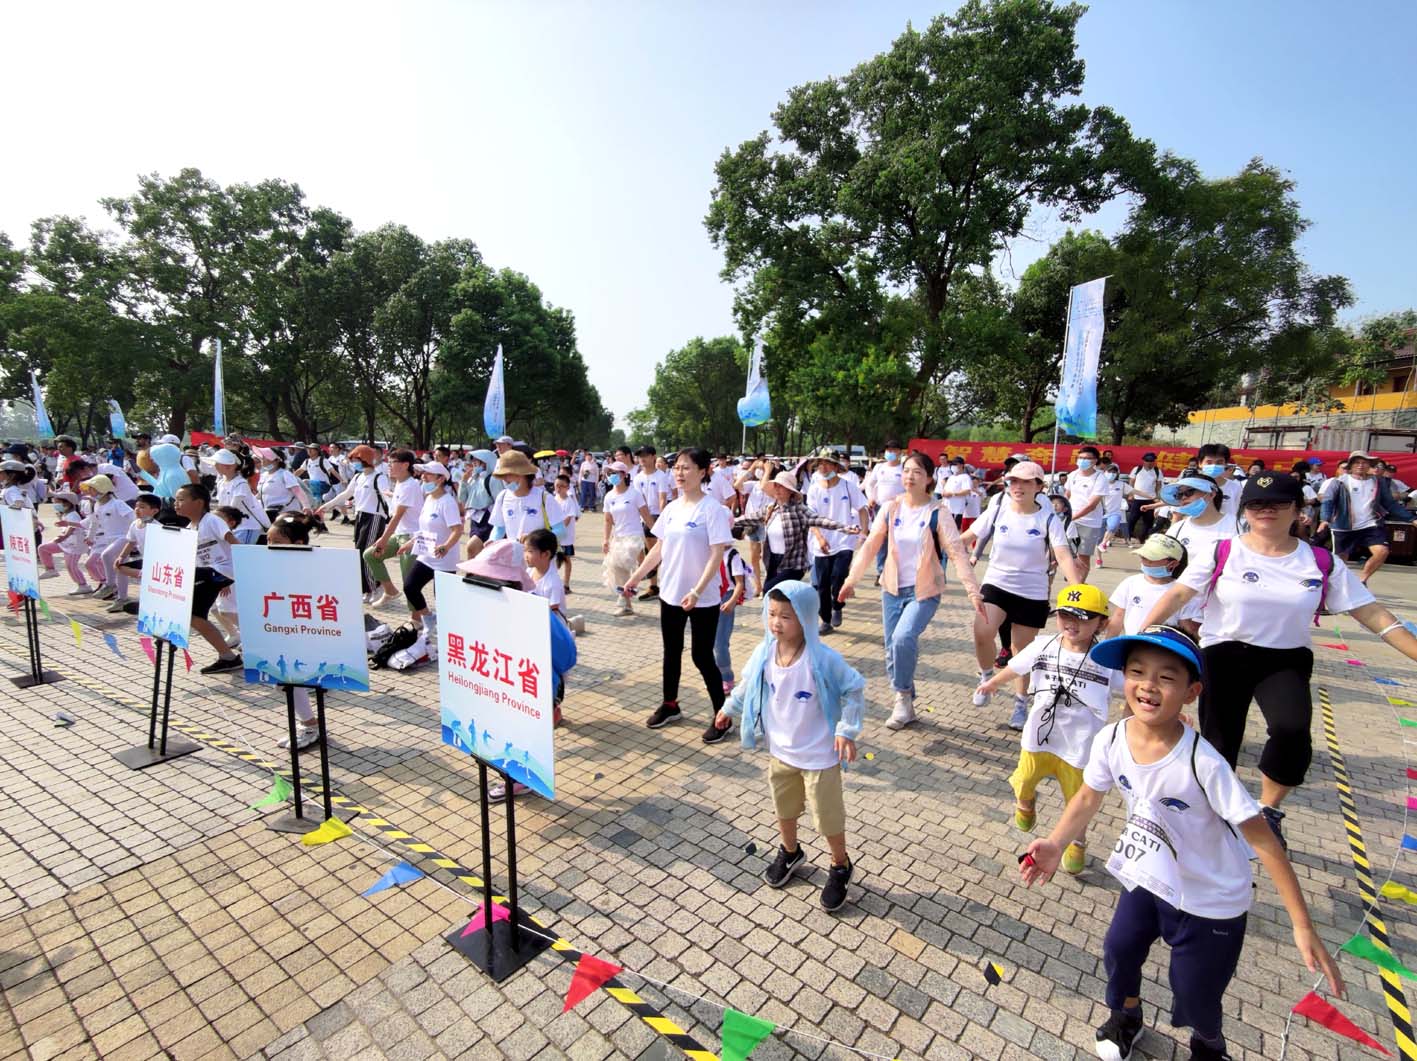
x=206 y=438
x=1171 y=459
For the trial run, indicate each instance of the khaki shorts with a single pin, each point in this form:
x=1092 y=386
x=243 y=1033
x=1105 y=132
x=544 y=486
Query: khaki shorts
x=1033 y=767
x=792 y=789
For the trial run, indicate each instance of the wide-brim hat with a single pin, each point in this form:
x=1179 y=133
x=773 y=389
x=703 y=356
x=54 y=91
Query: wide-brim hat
x=514 y=462
x=366 y=453
x=787 y=481
x=434 y=467
x=100 y=484
x=826 y=453
x=502 y=560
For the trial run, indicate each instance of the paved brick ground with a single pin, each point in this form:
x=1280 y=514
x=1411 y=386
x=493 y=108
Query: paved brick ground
x=151 y=914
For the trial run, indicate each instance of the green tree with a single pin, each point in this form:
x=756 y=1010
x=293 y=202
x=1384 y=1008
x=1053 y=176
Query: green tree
x=912 y=171
x=693 y=400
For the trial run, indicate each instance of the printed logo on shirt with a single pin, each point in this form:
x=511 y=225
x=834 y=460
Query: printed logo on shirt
x=802 y=694
x=1251 y=576
x=1034 y=532
x=1122 y=780
x=690 y=525
x=1172 y=803
x=1136 y=600
x=1311 y=583
x=532 y=511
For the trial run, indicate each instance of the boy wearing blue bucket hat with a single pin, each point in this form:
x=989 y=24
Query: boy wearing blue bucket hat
x=1183 y=855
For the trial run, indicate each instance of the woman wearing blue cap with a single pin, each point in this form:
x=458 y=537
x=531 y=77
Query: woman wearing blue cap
x=1198 y=518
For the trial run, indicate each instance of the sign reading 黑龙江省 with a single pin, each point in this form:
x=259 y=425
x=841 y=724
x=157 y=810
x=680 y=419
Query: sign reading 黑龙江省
x=165 y=594
x=21 y=561
x=495 y=679
x=301 y=617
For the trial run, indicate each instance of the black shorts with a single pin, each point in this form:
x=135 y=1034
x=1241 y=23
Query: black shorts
x=567 y=551
x=1018 y=610
x=206 y=589
x=1345 y=541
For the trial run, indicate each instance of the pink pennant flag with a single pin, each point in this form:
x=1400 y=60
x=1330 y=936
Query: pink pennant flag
x=148 y=649
x=187 y=659
x=1412 y=802
x=479 y=919
x=591 y=975
x=1355 y=663
x=1330 y=644
x=1321 y=1012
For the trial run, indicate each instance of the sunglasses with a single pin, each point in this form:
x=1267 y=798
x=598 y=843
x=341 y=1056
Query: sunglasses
x=1267 y=506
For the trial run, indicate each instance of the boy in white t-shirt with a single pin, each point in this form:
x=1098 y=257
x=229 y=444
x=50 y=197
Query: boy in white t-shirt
x=1070 y=694
x=1184 y=854
x=570 y=512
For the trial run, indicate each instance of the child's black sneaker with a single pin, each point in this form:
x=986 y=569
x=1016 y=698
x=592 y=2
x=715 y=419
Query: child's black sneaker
x=713 y=734
x=664 y=714
x=1202 y=1051
x=1119 y=1035
x=780 y=871
x=221 y=666
x=834 y=893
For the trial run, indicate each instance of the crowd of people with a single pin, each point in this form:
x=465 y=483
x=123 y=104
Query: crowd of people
x=1233 y=567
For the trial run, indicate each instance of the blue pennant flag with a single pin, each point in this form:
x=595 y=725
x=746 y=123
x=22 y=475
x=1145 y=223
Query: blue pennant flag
x=1409 y=843
x=400 y=874
x=112 y=642
x=1387 y=681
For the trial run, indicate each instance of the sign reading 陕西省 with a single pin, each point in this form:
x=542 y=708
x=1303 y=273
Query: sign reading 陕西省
x=165 y=596
x=495 y=680
x=21 y=561
x=301 y=617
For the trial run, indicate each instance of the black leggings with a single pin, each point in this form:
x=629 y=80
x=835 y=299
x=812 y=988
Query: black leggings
x=419 y=575
x=1278 y=680
x=703 y=628
x=367 y=528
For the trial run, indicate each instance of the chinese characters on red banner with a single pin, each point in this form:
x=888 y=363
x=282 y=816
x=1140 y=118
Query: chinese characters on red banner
x=492 y=663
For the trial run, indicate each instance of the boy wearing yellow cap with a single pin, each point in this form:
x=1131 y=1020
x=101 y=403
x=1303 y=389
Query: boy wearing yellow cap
x=1069 y=697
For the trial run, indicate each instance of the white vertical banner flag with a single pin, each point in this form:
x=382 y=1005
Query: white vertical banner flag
x=755 y=407
x=494 y=407
x=218 y=397
x=42 y=427
x=1076 y=409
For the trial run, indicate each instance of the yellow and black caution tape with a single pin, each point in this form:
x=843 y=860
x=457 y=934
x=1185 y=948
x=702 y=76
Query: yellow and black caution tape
x=368 y=819
x=1392 y=984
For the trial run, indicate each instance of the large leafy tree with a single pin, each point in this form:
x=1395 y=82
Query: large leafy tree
x=912 y=171
x=693 y=400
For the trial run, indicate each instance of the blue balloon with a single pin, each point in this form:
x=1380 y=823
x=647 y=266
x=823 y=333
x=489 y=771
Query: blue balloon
x=755 y=409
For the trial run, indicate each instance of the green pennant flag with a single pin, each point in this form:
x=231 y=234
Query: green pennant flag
x=279 y=793
x=1405 y=721
x=44 y=607
x=742 y=1034
x=1363 y=947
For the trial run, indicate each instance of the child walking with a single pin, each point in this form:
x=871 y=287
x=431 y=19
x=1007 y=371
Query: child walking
x=1163 y=560
x=1070 y=695
x=69 y=544
x=1182 y=859
x=742 y=585
x=539 y=550
x=806 y=703
x=107 y=526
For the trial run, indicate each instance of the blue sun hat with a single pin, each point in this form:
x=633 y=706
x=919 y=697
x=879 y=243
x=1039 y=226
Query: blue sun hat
x=1113 y=652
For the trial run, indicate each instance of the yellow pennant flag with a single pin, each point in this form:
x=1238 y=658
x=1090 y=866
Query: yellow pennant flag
x=1393 y=890
x=78 y=635
x=1395 y=702
x=332 y=829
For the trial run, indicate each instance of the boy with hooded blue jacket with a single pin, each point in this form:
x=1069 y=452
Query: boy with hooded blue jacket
x=805 y=703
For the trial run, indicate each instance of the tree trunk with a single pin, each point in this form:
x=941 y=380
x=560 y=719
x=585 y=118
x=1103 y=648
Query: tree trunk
x=177 y=422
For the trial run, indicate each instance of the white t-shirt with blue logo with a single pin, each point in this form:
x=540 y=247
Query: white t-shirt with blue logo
x=796 y=730
x=519 y=516
x=843 y=502
x=1020 y=547
x=1136 y=595
x=1186 y=817
x=687 y=533
x=1269 y=601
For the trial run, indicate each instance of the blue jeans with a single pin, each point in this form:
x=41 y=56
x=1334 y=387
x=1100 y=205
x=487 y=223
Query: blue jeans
x=587 y=498
x=905 y=619
x=721 y=653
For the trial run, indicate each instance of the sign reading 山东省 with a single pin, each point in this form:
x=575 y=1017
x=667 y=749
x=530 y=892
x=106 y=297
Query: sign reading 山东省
x=495 y=679
x=165 y=595
x=21 y=562
x=301 y=617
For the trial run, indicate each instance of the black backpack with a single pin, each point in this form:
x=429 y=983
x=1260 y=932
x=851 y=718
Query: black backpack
x=401 y=638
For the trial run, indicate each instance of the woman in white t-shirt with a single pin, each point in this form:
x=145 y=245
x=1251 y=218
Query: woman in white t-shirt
x=690 y=536
x=280 y=490
x=233 y=491
x=434 y=545
x=1264 y=591
x=371 y=511
x=214 y=570
x=523 y=506
x=627 y=517
x=1198 y=518
x=1024 y=536
x=404 y=503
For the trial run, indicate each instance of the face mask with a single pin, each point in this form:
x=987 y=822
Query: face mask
x=63 y=510
x=892 y=456
x=1155 y=572
x=1084 y=464
x=1112 y=476
x=428 y=488
x=820 y=477
x=613 y=479
x=357 y=465
x=1215 y=471
x=1193 y=508
x=956 y=469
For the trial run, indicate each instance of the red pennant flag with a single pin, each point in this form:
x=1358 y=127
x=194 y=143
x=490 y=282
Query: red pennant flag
x=591 y=975
x=148 y=649
x=187 y=659
x=1412 y=773
x=15 y=599
x=1321 y=1012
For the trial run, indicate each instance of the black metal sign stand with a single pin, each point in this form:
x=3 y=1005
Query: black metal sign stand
x=158 y=749
x=498 y=948
x=297 y=822
x=37 y=675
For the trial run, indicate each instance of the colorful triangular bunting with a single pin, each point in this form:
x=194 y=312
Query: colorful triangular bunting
x=1409 y=843
x=742 y=1033
x=112 y=643
x=1321 y=1012
x=1411 y=774
x=44 y=607
x=1355 y=663
x=331 y=829
x=591 y=975
x=1395 y=702
x=1340 y=647
x=15 y=599
x=187 y=659
x=78 y=633
x=400 y=874
x=1393 y=890
x=1362 y=947
x=1387 y=681
x=148 y=650
x=279 y=793
x=479 y=917
x=1412 y=802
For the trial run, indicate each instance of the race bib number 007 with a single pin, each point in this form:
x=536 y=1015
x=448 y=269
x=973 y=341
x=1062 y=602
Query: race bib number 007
x=1145 y=857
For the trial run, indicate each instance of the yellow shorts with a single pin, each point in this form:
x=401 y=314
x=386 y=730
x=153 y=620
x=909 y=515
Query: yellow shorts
x=793 y=788
x=1033 y=767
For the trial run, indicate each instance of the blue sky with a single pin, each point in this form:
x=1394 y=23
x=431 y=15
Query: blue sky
x=576 y=142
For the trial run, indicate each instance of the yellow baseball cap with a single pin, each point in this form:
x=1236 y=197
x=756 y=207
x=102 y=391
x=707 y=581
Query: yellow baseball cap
x=1081 y=600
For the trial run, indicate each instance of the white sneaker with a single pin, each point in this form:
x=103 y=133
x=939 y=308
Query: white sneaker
x=82 y=591
x=903 y=713
x=624 y=608
x=980 y=699
x=304 y=736
x=384 y=598
x=369 y=596
x=119 y=603
x=46 y=573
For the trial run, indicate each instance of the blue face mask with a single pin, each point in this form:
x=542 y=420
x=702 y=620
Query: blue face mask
x=428 y=488
x=1155 y=572
x=1192 y=508
x=892 y=456
x=1084 y=464
x=1215 y=471
x=820 y=477
x=613 y=479
x=357 y=465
